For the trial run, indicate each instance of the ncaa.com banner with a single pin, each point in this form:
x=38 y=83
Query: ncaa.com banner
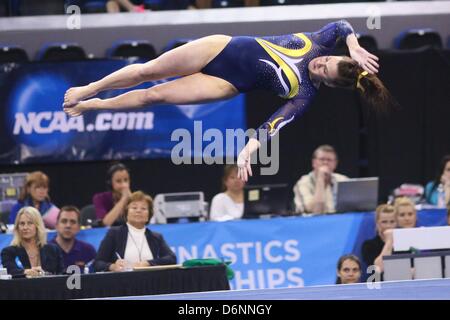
x=34 y=127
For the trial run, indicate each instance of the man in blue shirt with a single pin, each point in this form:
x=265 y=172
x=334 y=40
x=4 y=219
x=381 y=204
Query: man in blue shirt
x=75 y=252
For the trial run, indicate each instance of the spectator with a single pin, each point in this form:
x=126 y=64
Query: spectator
x=34 y=193
x=113 y=6
x=229 y=204
x=29 y=254
x=348 y=269
x=110 y=205
x=132 y=244
x=374 y=249
x=448 y=214
x=440 y=185
x=74 y=251
x=405 y=213
x=314 y=192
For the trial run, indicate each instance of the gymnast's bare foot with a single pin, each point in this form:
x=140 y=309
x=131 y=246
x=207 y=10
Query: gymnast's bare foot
x=82 y=107
x=76 y=94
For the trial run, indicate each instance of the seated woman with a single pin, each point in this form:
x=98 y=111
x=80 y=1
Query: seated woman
x=134 y=245
x=405 y=213
x=35 y=194
x=348 y=269
x=437 y=192
x=374 y=249
x=229 y=204
x=29 y=254
x=110 y=205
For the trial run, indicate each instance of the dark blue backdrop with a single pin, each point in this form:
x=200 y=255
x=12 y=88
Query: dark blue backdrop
x=34 y=127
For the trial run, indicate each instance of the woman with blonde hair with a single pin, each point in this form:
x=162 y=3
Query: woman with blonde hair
x=405 y=212
x=35 y=194
x=374 y=249
x=29 y=254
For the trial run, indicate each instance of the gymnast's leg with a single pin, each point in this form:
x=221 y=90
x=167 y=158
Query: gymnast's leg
x=184 y=60
x=195 y=88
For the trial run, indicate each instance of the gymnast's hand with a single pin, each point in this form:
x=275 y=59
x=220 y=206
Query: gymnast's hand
x=365 y=59
x=244 y=168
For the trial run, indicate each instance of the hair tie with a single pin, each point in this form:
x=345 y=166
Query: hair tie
x=360 y=76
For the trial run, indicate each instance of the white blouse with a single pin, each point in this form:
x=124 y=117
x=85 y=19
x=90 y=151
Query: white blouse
x=223 y=208
x=137 y=248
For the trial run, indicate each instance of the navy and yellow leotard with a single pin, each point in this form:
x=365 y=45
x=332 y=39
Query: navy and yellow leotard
x=278 y=64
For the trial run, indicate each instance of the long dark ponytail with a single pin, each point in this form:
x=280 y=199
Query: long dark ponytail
x=369 y=86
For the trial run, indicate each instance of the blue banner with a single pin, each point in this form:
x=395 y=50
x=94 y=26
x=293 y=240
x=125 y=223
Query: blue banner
x=271 y=253
x=34 y=127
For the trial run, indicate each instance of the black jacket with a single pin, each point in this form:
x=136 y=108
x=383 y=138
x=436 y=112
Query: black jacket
x=371 y=249
x=116 y=241
x=51 y=259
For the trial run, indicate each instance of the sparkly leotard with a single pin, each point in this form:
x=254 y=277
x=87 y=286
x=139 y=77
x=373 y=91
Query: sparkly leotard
x=278 y=64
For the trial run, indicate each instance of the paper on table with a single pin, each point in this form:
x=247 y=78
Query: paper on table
x=163 y=267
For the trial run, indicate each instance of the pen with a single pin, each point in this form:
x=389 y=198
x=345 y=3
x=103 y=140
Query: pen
x=118 y=256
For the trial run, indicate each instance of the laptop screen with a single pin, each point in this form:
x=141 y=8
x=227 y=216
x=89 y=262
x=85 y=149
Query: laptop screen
x=360 y=194
x=265 y=200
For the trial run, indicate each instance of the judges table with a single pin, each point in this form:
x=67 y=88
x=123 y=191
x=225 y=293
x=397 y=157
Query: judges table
x=114 y=284
x=270 y=253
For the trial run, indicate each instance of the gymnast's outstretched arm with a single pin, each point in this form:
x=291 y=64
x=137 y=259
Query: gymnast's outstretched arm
x=342 y=29
x=293 y=109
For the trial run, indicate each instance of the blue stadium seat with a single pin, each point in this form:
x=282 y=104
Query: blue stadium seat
x=132 y=48
x=153 y=4
x=4 y=8
x=61 y=51
x=418 y=38
x=34 y=8
x=11 y=6
x=368 y=42
x=175 y=43
x=78 y=3
x=94 y=6
x=12 y=53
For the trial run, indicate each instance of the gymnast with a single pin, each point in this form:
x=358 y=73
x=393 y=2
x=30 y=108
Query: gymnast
x=219 y=67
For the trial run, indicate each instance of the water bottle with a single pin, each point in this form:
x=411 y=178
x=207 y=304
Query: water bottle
x=441 y=196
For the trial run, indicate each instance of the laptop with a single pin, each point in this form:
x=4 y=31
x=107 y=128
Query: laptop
x=359 y=194
x=264 y=201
